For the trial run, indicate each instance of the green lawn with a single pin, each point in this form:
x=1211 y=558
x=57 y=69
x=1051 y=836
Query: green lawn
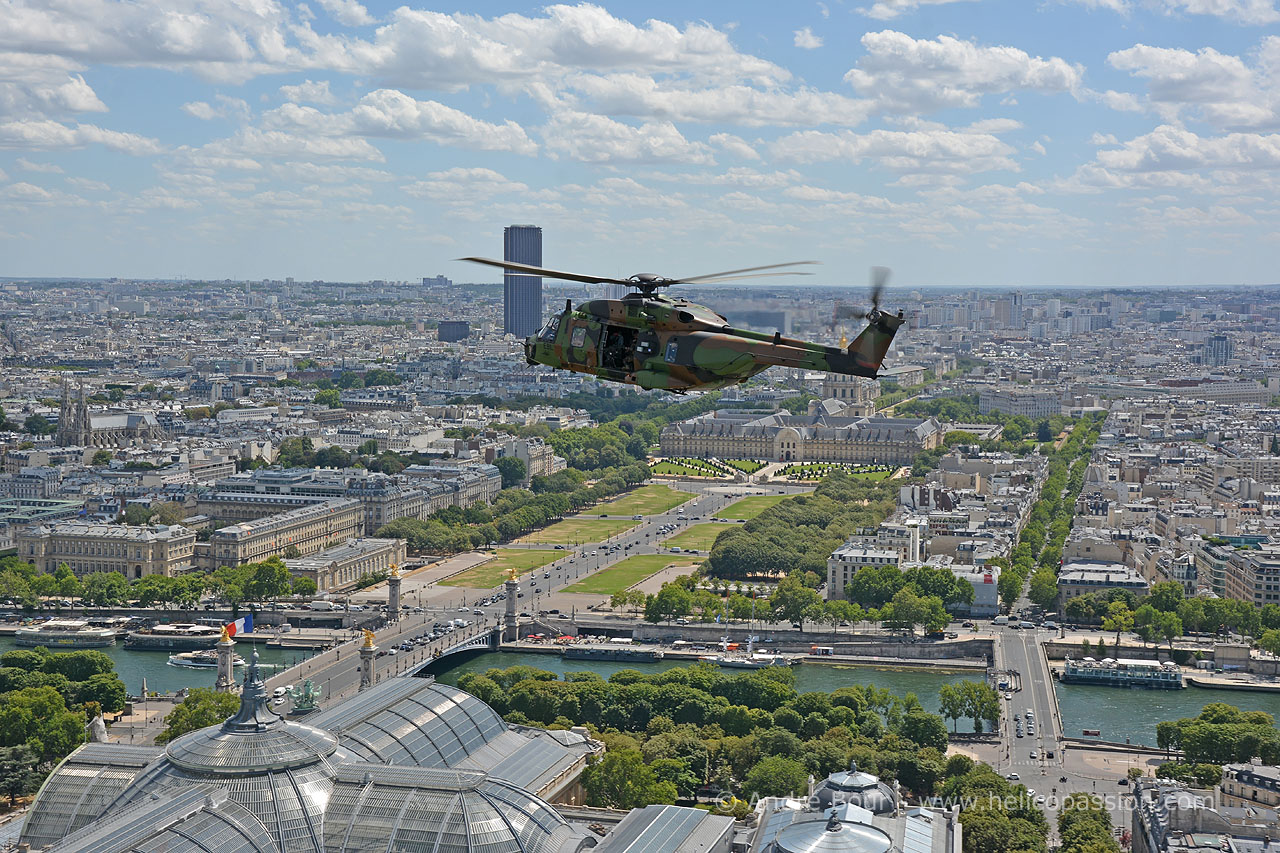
x=746 y=466
x=676 y=469
x=816 y=471
x=646 y=500
x=490 y=574
x=749 y=508
x=628 y=573
x=699 y=537
x=581 y=530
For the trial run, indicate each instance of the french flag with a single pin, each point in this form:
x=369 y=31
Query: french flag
x=243 y=625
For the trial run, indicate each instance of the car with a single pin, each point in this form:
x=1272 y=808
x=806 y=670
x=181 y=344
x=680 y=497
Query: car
x=546 y=574
x=526 y=614
x=1019 y=732
x=463 y=609
x=1013 y=777
x=1124 y=780
x=563 y=616
x=478 y=612
x=571 y=559
x=1048 y=753
x=637 y=518
x=1034 y=755
x=559 y=547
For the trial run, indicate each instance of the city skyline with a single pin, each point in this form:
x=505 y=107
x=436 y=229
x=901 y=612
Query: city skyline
x=965 y=143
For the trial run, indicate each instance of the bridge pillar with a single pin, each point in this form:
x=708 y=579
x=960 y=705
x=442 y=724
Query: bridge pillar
x=367 y=653
x=393 y=594
x=511 y=627
x=226 y=682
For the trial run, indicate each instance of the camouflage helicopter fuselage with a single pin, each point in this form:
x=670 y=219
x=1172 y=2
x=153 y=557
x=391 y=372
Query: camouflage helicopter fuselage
x=656 y=342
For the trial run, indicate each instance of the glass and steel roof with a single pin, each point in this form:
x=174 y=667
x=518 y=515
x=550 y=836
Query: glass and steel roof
x=81 y=788
x=412 y=721
x=427 y=810
x=196 y=820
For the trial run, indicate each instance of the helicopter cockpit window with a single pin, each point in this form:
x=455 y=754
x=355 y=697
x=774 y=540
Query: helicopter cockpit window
x=579 y=337
x=670 y=355
x=549 y=331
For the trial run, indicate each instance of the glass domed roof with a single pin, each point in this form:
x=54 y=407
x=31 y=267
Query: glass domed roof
x=832 y=836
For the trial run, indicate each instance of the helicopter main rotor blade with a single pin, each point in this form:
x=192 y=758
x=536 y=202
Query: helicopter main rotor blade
x=726 y=273
x=716 y=281
x=879 y=278
x=528 y=269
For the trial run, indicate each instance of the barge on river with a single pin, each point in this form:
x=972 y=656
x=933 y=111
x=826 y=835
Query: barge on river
x=611 y=653
x=1125 y=672
x=179 y=636
x=65 y=634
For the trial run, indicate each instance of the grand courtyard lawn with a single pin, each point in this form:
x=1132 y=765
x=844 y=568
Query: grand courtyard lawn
x=646 y=500
x=580 y=530
x=629 y=572
x=489 y=574
x=749 y=508
x=698 y=538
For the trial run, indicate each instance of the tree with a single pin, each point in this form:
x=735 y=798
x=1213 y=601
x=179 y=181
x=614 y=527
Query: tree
x=380 y=376
x=136 y=515
x=167 y=513
x=330 y=397
x=202 y=707
x=1009 y=587
x=1166 y=596
x=793 y=601
x=102 y=457
x=80 y=665
x=513 y=470
x=303 y=585
x=671 y=601
x=1044 y=588
x=924 y=729
x=37 y=425
x=106 y=689
x=776 y=776
x=1119 y=618
x=268 y=579
x=368 y=448
x=622 y=780
x=1270 y=641
x=18 y=774
x=952 y=702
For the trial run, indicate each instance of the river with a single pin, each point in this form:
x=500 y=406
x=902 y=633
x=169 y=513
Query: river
x=1131 y=715
x=1118 y=714
x=133 y=666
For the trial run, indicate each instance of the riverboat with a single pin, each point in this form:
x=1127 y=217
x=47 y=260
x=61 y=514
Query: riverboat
x=1124 y=672
x=611 y=654
x=179 y=636
x=65 y=634
x=202 y=659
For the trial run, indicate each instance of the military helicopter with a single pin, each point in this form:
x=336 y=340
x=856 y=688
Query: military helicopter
x=653 y=341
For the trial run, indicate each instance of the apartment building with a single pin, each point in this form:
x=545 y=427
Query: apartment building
x=87 y=548
x=342 y=565
x=309 y=529
x=845 y=561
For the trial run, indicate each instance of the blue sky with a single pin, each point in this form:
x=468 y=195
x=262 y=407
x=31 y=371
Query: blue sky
x=961 y=142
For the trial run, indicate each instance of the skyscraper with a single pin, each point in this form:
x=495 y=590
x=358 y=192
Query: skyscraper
x=1218 y=350
x=522 y=294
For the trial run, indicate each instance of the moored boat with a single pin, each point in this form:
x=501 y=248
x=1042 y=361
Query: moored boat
x=178 y=636
x=65 y=634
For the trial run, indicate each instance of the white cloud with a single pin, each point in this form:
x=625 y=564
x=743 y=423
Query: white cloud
x=391 y=113
x=910 y=151
x=348 y=12
x=88 y=184
x=253 y=142
x=1038 y=148
x=734 y=145
x=46 y=135
x=1217 y=87
x=1169 y=148
x=424 y=49
x=464 y=185
x=913 y=75
x=1257 y=12
x=227 y=107
x=643 y=97
x=49 y=168
x=309 y=92
x=33 y=87
x=1103 y=139
x=597 y=139
x=806 y=40
x=884 y=10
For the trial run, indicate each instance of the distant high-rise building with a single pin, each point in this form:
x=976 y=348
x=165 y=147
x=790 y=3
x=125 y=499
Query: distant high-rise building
x=522 y=294
x=1218 y=350
x=451 y=331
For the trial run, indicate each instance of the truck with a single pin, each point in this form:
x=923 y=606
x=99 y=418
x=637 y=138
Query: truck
x=322 y=605
x=1000 y=620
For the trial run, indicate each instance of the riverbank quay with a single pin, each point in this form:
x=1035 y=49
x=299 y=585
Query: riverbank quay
x=599 y=648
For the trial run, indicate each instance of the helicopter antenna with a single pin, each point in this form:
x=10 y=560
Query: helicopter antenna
x=646 y=282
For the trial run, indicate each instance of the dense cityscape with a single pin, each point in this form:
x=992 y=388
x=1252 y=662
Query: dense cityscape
x=387 y=469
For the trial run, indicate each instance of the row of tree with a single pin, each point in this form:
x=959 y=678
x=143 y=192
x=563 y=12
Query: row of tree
x=1222 y=734
x=514 y=511
x=46 y=699
x=21 y=582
